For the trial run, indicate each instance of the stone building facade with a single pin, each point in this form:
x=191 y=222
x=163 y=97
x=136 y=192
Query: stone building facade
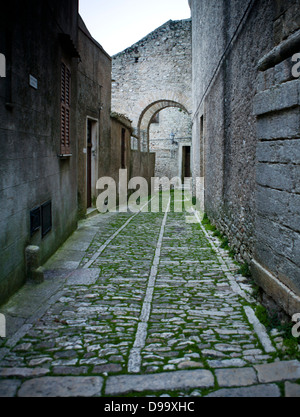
x=169 y=135
x=151 y=84
x=246 y=133
x=93 y=120
x=38 y=155
x=134 y=161
x=58 y=136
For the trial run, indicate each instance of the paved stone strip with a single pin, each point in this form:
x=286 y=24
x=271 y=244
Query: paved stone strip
x=260 y=330
x=107 y=243
x=197 y=320
x=159 y=296
x=172 y=381
x=91 y=328
x=258 y=391
x=257 y=381
x=134 y=361
x=226 y=266
x=62 y=387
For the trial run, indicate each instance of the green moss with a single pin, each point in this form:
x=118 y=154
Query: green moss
x=217 y=233
x=245 y=270
x=225 y=243
x=262 y=315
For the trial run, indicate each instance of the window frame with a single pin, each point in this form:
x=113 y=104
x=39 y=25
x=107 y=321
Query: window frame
x=65 y=109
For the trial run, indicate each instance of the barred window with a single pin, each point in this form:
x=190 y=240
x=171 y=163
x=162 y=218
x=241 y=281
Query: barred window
x=65 y=109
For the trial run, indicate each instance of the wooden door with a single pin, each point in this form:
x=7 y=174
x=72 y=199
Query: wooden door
x=89 y=164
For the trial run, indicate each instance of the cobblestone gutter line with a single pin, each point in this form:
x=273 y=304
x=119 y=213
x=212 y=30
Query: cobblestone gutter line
x=258 y=327
x=260 y=330
x=226 y=267
x=104 y=246
x=135 y=360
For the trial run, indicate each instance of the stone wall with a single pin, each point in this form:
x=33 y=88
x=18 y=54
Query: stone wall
x=30 y=110
x=168 y=154
x=137 y=163
x=233 y=130
x=152 y=75
x=277 y=231
x=120 y=123
x=94 y=96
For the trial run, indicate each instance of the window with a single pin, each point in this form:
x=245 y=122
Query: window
x=65 y=110
x=35 y=220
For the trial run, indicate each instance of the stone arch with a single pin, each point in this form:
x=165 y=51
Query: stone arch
x=149 y=112
x=169 y=154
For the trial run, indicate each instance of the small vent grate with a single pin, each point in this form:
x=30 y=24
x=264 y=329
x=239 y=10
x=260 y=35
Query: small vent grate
x=35 y=220
x=46 y=211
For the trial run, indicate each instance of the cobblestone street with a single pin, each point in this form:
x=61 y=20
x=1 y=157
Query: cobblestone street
x=142 y=304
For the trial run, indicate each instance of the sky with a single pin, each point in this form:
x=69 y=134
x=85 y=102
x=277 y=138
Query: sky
x=118 y=24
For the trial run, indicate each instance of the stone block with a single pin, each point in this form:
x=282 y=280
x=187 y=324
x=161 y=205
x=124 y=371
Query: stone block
x=271 y=203
x=23 y=372
x=287 y=151
x=227 y=363
x=279 y=176
x=62 y=387
x=125 y=384
x=260 y=82
x=236 y=377
x=83 y=277
x=278 y=98
x=283 y=71
x=269 y=78
x=257 y=391
x=283 y=125
x=278 y=371
x=292 y=390
x=8 y=388
x=271 y=285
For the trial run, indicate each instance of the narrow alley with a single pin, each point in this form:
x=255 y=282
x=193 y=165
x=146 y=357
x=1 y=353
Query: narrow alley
x=150 y=199
x=142 y=304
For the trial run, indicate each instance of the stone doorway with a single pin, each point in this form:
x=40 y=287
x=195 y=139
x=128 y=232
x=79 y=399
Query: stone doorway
x=186 y=162
x=91 y=160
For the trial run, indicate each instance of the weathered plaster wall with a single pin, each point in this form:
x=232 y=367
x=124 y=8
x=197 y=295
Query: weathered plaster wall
x=118 y=123
x=137 y=163
x=31 y=173
x=94 y=96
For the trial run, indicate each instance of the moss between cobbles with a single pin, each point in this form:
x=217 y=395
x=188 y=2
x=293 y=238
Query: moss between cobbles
x=271 y=322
